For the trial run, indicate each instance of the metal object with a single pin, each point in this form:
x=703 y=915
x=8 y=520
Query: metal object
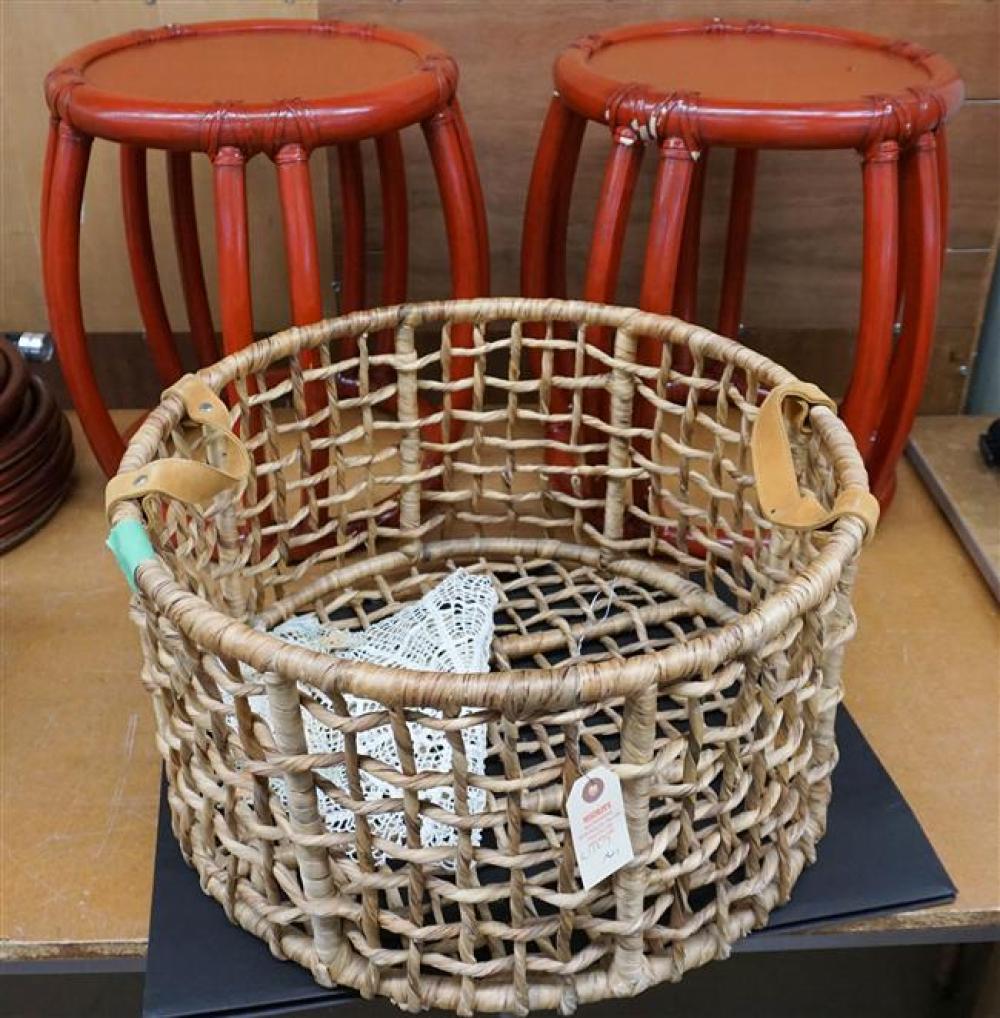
x=33 y=346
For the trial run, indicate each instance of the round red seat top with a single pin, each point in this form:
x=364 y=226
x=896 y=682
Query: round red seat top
x=159 y=87
x=759 y=68
x=251 y=66
x=781 y=83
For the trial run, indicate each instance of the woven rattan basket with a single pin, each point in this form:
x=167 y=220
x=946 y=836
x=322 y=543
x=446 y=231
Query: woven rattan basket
x=673 y=556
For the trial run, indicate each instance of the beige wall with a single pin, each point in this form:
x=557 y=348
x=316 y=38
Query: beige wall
x=34 y=34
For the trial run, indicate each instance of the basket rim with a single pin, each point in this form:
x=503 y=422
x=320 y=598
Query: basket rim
x=512 y=692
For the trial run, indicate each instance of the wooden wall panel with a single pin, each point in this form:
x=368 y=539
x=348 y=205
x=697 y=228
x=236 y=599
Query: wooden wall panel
x=804 y=280
x=34 y=34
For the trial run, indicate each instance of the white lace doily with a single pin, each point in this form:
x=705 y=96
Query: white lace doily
x=448 y=630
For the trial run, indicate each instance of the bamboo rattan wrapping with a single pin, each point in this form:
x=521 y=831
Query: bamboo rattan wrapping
x=651 y=619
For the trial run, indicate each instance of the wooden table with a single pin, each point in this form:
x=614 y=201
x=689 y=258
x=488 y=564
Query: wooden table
x=80 y=777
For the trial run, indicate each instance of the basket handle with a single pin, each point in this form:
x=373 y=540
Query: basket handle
x=188 y=480
x=778 y=492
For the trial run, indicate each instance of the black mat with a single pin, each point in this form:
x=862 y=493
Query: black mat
x=874 y=859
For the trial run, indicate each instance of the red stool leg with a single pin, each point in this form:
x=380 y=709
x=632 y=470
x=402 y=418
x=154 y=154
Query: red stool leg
x=565 y=173
x=737 y=241
x=188 y=246
x=457 y=193
x=904 y=239
x=543 y=254
x=660 y=267
x=301 y=253
x=546 y=218
x=863 y=404
x=601 y=282
x=395 y=228
x=906 y=244
x=233 y=248
x=546 y=214
x=611 y=221
x=476 y=188
x=444 y=141
x=665 y=239
x=232 y=242
x=395 y=218
x=299 y=223
x=51 y=144
x=142 y=259
x=686 y=290
x=352 y=196
x=604 y=261
x=352 y=249
x=62 y=294
x=944 y=185
x=909 y=244
x=908 y=372
x=549 y=192
x=304 y=281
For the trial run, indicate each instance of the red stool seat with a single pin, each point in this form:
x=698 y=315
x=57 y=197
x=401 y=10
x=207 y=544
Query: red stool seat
x=256 y=64
x=256 y=85
x=791 y=86
x=689 y=87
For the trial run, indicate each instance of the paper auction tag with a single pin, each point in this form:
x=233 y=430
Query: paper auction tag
x=597 y=825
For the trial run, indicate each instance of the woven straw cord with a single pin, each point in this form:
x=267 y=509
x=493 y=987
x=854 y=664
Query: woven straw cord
x=649 y=619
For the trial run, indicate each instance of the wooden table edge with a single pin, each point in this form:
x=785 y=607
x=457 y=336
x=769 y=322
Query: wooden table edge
x=932 y=925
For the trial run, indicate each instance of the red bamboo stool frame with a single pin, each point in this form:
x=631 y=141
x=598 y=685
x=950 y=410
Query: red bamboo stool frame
x=299 y=86
x=688 y=87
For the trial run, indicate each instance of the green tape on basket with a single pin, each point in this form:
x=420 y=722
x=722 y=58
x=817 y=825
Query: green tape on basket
x=130 y=545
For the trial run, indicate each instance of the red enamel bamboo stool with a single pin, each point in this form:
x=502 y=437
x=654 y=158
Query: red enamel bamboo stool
x=686 y=88
x=232 y=90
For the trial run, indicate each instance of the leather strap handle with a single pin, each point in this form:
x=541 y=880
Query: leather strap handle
x=781 y=500
x=189 y=480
